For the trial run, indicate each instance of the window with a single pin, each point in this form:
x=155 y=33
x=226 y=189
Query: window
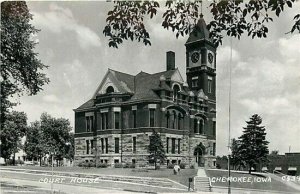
x=209 y=84
x=134 y=118
x=116 y=161
x=92 y=144
x=152 y=117
x=196 y=129
x=214 y=149
x=117 y=145
x=176 y=90
x=117 y=120
x=89 y=123
x=174 y=120
x=167 y=145
x=194 y=82
x=134 y=144
x=214 y=128
x=87 y=146
x=179 y=121
x=104 y=120
x=102 y=145
x=106 y=145
x=109 y=89
x=201 y=126
x=178 y=146
x=133 y=161
x=168 y=119
x=173 y=145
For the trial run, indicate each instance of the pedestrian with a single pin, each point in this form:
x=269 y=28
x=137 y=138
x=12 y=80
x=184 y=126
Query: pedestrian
x=176 y=169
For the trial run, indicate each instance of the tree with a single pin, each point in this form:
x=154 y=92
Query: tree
x=14 y=128
x=33 y=146
x=21 y=70
x=253 y=143
x=236 y=157
x=274 y=153
x=50 y=136
x=56 y=136
x=230 y=17
x=156 y=149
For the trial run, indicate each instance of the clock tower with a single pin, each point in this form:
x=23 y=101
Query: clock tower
x=201 y=61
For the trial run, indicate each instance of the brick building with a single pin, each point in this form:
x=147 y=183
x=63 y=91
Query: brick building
x=115 y=124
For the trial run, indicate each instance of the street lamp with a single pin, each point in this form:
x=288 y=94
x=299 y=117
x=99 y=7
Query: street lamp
x=52 y=153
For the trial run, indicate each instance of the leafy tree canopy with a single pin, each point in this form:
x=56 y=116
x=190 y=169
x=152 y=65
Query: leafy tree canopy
x=14 y=128
x=231 y=17
x=21 y=70
x=50 y=136
x=56 y=135
x=34 y=147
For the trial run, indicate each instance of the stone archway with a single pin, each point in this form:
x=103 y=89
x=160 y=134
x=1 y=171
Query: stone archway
x=199 y=152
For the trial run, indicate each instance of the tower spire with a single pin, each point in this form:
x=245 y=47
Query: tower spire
x=201 y=14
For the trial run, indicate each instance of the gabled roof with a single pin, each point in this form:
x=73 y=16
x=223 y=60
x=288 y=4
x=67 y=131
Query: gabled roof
x=199 y=32
x=147 y=83
x=142 y=86
x=124 y=78
x=88 y=104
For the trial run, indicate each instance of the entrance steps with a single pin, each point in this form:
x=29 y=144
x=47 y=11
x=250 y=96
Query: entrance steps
x=201 y=181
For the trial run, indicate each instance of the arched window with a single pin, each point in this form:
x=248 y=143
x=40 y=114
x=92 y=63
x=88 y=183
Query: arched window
x=174 y=120
x=168 y=119
x=179 y=121
x=196 y=125
x=176 y=90
x=201 y=126
x=109 y=89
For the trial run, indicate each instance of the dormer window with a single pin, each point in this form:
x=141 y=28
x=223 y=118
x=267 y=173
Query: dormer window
x=110 y=89
x=176 y=90
x=195 y=81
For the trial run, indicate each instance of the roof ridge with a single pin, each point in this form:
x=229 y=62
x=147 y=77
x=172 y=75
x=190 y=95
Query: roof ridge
x=120 y=72
x=165 y=71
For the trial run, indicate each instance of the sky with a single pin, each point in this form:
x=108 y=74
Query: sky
x=265 y=72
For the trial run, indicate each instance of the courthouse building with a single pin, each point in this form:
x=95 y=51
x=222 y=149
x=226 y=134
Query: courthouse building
x=115 y=124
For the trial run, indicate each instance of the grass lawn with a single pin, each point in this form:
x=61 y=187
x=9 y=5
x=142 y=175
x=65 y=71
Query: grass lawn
x=255 y=184
x=182 y=177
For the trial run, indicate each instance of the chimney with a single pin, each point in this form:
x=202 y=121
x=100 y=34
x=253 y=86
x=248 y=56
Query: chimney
x=170 y=60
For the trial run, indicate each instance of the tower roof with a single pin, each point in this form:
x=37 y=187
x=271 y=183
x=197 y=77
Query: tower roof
x=199 y=32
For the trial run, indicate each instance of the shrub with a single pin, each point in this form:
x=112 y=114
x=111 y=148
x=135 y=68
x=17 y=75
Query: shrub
x=118 y=165
x=126 y=165
x=157 y=167
x=142 y=165
x=182 y=165
x=192 y=167
x=21 y=162
x=132 y=165
x=170 y=166
x=82 y=164
x=91 y=164
x=9 y=162
x=102 y=165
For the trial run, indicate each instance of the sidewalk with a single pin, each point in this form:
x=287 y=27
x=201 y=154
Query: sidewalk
x=69 y=189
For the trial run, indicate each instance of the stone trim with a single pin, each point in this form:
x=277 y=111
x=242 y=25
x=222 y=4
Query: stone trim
x=103 y=110
x=152 y=106
x=116 y=109
x=89 y=114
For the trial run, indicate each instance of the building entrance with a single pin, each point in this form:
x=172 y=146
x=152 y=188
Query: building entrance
x=199 y=153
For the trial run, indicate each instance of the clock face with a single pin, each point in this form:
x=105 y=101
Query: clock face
x=210 y=58
x=195 y=57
